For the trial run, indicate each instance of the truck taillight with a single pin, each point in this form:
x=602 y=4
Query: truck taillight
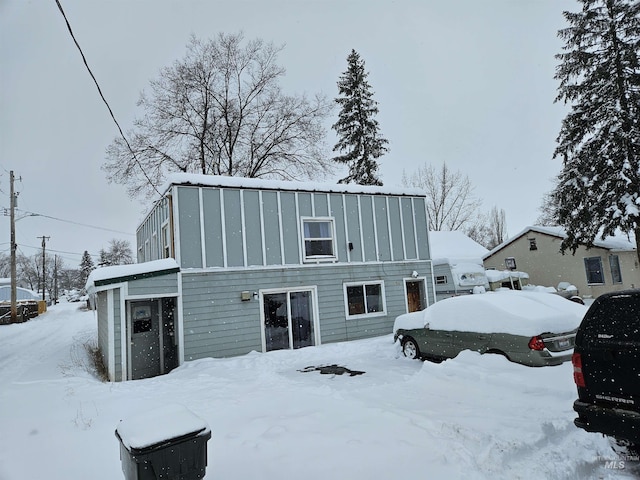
x=578 y=376
x=536 y=343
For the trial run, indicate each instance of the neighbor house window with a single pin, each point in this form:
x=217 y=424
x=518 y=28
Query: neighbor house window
x=593 y=268
x=441 y=280
x=166 y=242
x=319 y=240
x=364 y=299
x=614 y=263
x=532 y=244
x=510 y=262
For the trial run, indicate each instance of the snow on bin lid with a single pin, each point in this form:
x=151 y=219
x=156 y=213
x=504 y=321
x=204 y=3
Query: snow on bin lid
x=158 y=425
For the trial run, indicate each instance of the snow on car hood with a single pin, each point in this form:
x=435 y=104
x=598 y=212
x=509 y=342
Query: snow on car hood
x=513 y=312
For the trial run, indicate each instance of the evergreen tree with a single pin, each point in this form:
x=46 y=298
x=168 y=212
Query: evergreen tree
x=598 y=192
x=357 y=128
x=86 y=266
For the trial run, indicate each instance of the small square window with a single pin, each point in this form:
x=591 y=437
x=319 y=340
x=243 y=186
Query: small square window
x=441 y=280
x=532 y=244
x=365 y=299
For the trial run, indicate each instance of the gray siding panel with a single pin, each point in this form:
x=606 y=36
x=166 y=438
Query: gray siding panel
x=320 y=203
x=189 y=219
x=396 y=228
x=117 y=337
x=103 y=325
x=212 y=227
x=422 y=228
x=353 y=227
x=290 y=228
x=382 y=228
x=233 y=228
x=218 y=323
x=304 y=205
x=271 y=228
x=337 y=212
x=368 y=232
x=253 y=235
x=409 y=229
x=155 y=286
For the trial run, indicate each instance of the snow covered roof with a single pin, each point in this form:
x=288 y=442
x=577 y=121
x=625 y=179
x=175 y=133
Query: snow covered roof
x=455 y=247
x=618 y=242
x=264 y=184
x=135 y=271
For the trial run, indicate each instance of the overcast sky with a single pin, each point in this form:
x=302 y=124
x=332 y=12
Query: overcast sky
x=465 y=82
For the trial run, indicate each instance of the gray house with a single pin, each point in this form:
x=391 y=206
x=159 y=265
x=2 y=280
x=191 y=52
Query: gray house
x=259 y=266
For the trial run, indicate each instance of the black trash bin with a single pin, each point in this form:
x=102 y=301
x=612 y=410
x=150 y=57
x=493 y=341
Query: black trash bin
x=168 y=443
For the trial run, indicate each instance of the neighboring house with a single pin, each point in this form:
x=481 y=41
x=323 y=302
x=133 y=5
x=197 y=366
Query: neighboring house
x=610 y=265
x=261 y=265
x=457 y=264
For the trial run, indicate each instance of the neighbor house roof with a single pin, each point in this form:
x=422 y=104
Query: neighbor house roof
x=618 y=242
x=454 y=247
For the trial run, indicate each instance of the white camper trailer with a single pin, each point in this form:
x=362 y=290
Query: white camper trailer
x=457 y=264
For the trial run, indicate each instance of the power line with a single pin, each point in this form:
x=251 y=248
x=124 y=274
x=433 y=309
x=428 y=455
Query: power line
x=84 y=59
x=74 y=223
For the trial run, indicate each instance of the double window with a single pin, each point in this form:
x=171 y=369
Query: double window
x=319 y=239
x=364 y=299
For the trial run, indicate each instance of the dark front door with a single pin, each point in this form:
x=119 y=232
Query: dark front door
x=415 y=295
x=145 y=339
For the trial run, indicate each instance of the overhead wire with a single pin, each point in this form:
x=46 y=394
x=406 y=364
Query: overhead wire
x=84 y=59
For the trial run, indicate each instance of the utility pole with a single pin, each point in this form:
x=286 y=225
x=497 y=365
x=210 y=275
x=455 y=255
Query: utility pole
x=12 y=203
x=55 y=280
x=44 y=282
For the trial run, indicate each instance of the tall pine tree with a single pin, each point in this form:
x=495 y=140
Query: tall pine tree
x=598 y=190
x=357 y=129
x=86 y=266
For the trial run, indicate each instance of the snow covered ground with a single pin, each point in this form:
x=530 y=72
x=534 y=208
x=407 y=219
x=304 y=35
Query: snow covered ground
x=473 y=417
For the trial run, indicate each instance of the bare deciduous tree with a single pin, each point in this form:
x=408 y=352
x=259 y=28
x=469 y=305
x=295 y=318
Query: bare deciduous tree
x=451 y=203
x=220 y=111
x=489 y=230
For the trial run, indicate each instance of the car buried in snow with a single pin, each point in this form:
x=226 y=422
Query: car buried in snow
x=530 y=328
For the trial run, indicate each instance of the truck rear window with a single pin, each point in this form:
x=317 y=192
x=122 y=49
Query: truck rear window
x=614 y=319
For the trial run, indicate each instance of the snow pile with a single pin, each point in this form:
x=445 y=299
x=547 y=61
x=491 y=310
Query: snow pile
x=472 y=417
x=512 y=312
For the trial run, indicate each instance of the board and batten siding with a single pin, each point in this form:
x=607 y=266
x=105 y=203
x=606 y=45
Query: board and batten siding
x=218 y=323
x=234 y=227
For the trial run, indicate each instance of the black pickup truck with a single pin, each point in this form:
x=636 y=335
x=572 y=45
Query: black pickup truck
x=606 y=368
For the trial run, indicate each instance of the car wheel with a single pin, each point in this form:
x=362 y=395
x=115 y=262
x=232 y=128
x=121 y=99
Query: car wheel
x=498 y=352
x=410 y=348
x=577 y=299
x=624 y=447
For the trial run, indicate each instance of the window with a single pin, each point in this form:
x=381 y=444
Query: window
x=166 y=242
x=532 y=244
x=365 y=299
x=441 y=280
x=593 y=268
x=614 y=263
x=510 y=262
x=318 y=235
